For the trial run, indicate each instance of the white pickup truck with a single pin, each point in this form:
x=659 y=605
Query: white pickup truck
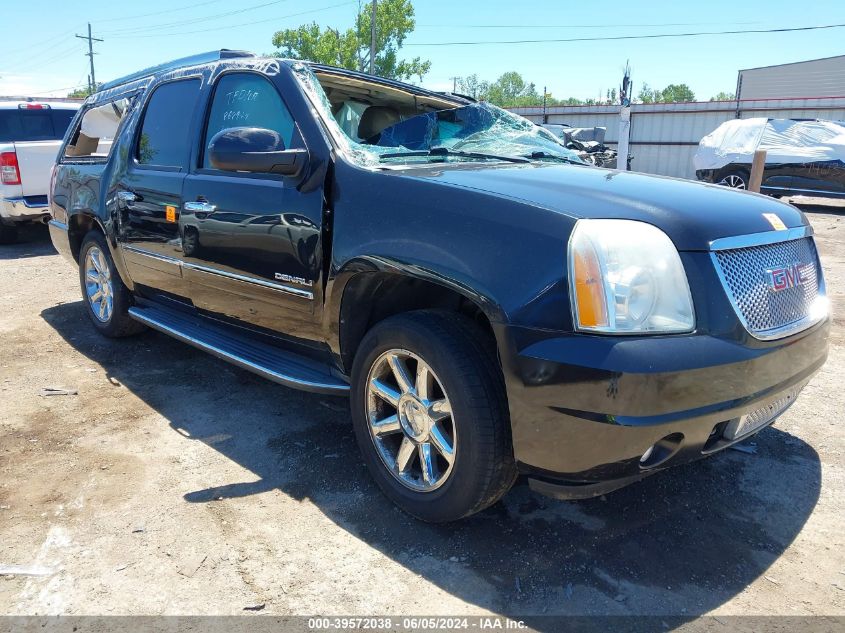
x=30 y=135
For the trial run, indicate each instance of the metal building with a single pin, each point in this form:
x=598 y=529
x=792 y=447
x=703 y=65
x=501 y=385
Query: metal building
x=664 y=136
x=813 y=78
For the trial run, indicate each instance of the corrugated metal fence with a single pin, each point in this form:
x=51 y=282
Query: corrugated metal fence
x=664 y=136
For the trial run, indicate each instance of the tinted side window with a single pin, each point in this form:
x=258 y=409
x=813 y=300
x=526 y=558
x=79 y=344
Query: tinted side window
x=247 y=100
x=165 y=131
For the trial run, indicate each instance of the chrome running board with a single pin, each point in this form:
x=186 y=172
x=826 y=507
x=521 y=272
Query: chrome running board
x=278 y=365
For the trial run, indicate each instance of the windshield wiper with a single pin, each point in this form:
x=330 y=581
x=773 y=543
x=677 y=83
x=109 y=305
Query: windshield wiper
x=545 y=155
x=445 y=151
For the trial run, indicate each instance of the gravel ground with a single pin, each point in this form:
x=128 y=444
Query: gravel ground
x=173 y=483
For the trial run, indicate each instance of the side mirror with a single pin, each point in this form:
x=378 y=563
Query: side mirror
x=255 y=150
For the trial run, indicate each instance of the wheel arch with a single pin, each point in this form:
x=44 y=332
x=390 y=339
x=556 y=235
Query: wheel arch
x=365 y=294
x=78 y=226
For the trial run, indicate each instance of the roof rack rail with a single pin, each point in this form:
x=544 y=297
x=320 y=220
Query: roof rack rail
x=192 y=60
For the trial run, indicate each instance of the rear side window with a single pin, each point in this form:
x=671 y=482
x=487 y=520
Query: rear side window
x=165 y=131
x=247 y=100
x=34 y=125
x=95 y=135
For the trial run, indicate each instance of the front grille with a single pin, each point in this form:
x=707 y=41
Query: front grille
x=745 y=274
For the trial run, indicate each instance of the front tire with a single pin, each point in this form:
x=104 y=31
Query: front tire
x=431 y=417
x=106 y=298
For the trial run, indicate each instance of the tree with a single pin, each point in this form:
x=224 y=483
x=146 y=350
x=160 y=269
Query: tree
x=724 y=96
x=472 y=86
x=550 y=101
x=351 y=49
x=675 y=93
x=648 y=94
x=511 y=90
x=81 y=93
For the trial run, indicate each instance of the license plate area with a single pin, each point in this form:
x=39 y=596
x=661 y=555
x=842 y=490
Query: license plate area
x=755 y=420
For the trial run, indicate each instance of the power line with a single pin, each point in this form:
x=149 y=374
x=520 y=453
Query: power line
x=566 y=26
x=147 y=15
x=234 y=26
x=630 y=37
x=49 y=60
x=43 y=93
x=26 y=57
x=226 y=14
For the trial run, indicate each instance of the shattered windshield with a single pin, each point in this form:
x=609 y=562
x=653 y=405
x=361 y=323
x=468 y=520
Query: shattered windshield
x=380 y=135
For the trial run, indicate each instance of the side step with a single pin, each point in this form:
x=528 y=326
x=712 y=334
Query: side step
x=286 y=368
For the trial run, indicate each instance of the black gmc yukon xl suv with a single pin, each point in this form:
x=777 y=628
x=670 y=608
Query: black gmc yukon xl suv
x=491 y=306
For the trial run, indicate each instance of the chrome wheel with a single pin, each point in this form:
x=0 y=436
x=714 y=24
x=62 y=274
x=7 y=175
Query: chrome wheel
x=410 y=420
x=98 y=284
x=732 y=180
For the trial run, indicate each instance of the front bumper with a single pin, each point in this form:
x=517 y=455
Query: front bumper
x=17 y=210
x=585 y=409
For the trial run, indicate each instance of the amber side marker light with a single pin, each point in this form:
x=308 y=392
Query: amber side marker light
x=589 y=289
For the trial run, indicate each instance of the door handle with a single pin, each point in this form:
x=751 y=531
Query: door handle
x=199 y=207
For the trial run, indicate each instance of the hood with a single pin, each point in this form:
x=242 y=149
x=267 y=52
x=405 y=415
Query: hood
x=692 y=214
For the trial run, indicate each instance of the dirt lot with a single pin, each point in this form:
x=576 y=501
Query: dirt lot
x=176 y=484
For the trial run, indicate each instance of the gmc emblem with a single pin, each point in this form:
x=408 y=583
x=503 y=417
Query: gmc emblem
x=790 y=276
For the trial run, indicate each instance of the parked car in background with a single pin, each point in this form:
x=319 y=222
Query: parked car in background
x=803 y=157
x=30 y=135
x=491 y=305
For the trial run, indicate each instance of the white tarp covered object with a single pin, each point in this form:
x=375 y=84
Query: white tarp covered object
x=785 y=141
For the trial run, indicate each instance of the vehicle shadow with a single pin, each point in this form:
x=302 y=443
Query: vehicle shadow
x=33 y=241
x=676 y=544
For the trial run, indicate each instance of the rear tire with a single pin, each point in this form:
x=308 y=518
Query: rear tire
x=106 y=298
x=460 y=374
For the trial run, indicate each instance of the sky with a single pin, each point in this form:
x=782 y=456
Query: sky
x=43 y=58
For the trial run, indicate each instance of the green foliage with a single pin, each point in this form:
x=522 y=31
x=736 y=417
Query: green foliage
x=673 y=93
x=676 y=93
x=512 y=90
x=351 y=48
x=648 y=94
x=509 y=90
x=724 y=96
x=472 y=86
x=81 y=93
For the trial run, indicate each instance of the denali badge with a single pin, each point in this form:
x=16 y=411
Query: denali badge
x=293 y=280
x=790 y=276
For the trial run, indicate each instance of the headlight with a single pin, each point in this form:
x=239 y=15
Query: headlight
x=626 y=278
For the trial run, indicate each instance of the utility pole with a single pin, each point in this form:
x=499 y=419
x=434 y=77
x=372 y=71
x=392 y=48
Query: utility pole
x=373 y=39
x=337 y=41
x=545 y=116
x=624 y=119
x=454 y=84
x=92 y=82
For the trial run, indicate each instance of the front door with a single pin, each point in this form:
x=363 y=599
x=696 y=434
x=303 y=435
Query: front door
x=251 y=242
x=149 y=193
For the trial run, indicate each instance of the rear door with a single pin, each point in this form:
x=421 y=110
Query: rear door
x=150 y=191
x=251 y=241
